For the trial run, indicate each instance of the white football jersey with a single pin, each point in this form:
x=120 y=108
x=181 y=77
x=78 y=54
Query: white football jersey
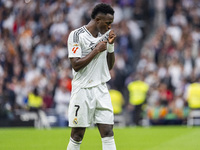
x=81 y=43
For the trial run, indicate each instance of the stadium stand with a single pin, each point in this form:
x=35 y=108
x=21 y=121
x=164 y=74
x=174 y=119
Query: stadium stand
x=156 y=38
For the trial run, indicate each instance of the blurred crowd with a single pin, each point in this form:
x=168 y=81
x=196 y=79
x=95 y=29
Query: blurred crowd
x=170 y=60
x=156 y=39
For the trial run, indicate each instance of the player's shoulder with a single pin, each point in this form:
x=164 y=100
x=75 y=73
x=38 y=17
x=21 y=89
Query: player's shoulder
x=75 y=34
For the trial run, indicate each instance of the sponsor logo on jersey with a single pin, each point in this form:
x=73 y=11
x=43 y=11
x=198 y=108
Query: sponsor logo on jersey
x=74 y=49
x=75 y=121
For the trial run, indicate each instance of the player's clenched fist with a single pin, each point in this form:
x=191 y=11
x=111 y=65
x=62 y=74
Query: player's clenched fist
x=111 y=37
x=102 y=46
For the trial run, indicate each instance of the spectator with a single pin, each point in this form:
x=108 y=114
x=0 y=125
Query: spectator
x=35 y=104
x=193 y=95
x=62 y=98
x=35 y=101
x=117 y=100
x=138 y=90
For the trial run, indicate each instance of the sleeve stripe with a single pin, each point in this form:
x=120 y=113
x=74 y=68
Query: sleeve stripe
x=76 y=35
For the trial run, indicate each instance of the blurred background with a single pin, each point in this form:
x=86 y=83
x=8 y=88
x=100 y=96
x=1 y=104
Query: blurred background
x=155 y=80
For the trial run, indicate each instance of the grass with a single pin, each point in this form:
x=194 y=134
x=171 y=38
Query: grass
x=130 y=138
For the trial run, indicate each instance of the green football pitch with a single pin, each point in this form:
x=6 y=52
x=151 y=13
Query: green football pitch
x=129 y=138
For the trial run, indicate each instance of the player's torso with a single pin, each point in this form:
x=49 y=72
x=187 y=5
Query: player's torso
x=87 y=42
x=96 y=72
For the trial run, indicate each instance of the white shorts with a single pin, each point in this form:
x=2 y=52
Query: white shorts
x=91 y=105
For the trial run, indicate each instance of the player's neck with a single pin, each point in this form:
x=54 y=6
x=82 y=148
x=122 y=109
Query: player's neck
x=91 y=27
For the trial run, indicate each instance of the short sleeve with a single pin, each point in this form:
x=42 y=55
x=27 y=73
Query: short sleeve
x=74 y=49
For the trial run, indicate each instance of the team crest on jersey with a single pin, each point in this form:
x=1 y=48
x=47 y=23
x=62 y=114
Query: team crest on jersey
x=75 y=121
x=91 y=44
x=75 y=45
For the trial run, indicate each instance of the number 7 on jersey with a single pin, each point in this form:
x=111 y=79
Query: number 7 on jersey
x=76 y=109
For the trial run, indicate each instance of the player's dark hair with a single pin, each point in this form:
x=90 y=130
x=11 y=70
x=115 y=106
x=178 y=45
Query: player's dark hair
x=102 y=8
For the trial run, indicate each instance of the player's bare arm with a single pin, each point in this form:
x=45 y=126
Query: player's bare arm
x=111 y=56
x=79 y=63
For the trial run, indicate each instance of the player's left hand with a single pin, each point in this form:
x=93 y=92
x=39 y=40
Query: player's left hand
x=112 y=37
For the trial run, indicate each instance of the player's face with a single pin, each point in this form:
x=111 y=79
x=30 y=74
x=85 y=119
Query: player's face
x=104 y=23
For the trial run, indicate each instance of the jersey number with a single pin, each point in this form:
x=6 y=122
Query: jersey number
x=77 y=109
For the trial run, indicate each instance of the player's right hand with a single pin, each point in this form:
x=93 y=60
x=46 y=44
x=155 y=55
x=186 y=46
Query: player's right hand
x=101 y=46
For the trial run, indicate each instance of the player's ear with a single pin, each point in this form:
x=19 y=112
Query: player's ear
x=97 y=19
